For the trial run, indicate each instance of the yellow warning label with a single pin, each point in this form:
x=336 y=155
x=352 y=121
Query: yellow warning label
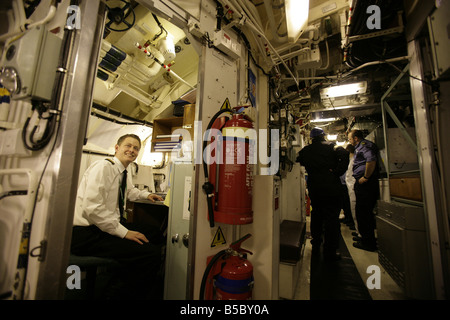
x=23 y=249
x=226 y=104
x=218 y=239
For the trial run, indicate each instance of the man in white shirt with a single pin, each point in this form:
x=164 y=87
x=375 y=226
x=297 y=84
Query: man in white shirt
x=98 y=229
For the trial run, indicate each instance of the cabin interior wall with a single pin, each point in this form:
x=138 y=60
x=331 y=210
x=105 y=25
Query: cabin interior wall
x=217 y=77
x=218 y=82
x=443 y=114
x=54 y=166
x=429 y=171
x=221 y=78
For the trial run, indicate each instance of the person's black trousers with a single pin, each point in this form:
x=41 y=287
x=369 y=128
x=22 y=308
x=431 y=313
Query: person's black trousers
x=140 y=263
x=325 y=220
x=367 y=195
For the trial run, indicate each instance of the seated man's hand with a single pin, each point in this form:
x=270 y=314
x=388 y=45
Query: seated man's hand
x=154 y=197
x=136 y=236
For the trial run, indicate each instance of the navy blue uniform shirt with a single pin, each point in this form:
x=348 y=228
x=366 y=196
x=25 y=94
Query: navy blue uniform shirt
x=365 y=151
x=324 y=164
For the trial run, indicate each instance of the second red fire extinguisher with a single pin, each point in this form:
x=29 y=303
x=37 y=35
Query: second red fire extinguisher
x=228 y=275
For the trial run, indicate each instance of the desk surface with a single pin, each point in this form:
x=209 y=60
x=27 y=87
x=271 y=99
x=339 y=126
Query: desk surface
x=149 y=213
x=158 y=203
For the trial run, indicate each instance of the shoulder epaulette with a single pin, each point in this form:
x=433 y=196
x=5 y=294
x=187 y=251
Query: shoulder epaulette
x=110 y=160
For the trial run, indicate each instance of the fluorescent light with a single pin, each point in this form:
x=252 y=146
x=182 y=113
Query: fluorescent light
x=344 y=90
x=340 y=143
x=332 y=137
x=323 y=120
x=296 y=18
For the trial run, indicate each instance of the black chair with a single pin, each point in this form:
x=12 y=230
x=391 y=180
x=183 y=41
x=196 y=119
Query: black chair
x=90 y=265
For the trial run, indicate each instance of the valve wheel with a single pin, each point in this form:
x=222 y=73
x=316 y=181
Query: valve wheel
x=119 y=16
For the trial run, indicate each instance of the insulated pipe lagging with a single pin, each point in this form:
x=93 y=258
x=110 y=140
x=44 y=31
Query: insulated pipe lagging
x=117 y=61
x=116 y=52
x=164 y=66
x=153 y=69
x=50 y=15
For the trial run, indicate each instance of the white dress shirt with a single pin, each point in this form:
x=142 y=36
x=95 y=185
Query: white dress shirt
x=97 y=200
x=349 y=179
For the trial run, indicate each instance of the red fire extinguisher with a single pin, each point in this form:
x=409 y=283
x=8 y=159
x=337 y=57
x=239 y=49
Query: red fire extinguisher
x=230 y=179
x=228 y=275
x=308 y=205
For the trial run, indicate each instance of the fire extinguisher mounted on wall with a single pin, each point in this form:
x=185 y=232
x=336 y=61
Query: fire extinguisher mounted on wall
x=228 y=275
x=229 y=182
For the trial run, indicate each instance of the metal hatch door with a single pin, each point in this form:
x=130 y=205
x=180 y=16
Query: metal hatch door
x=176 y=269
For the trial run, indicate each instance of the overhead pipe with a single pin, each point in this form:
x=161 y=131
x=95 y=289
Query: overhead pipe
x=243 y=18
x=111 y=64
x=135 y=92
x=16 y=19
x=158 y=96
x=375 y=63
x=110 y=73
x=295 y=53
x=50 y=15
x=126 y=73
x=161 y=93
x=116 y=52
x=253 y=15
x=268 y=43
x=120 y=115
x=248 y=22
x=300 y=42
x=311 y=39
x=164 y=66
x=126 y=65
x=348 y=73
x=131 y=78
x=12 y=24
x=154 y=100
x=230 y=6
x=153 y=70
x=25 y=27
x=19 y=14
x=328 y=56
x=345 y=38
x=269 y=12
x=315 y=31
x=253 y=23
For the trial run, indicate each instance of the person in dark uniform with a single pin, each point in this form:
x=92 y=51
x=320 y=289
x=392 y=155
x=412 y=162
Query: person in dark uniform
x=324 y=164
x=100 y=228
x=366 y=173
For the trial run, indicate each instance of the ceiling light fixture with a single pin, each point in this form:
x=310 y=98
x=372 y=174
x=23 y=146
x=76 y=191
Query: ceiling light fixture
x=344 y=90
x=332 y=137
x=324 y=120
x=296 y=18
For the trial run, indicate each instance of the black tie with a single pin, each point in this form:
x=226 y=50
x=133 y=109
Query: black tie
x=122 y=190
